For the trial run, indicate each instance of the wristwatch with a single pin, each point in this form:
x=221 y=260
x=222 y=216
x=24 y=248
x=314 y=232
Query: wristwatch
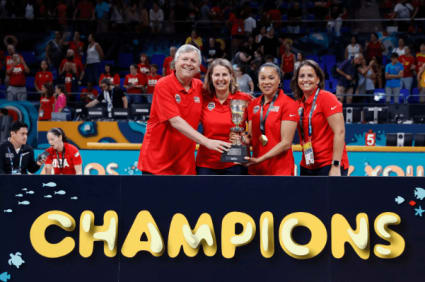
x=335 y=163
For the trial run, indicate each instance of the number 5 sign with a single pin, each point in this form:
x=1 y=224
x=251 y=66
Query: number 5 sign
x=370 y=138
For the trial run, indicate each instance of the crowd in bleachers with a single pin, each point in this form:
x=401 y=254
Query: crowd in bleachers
x=254 y=32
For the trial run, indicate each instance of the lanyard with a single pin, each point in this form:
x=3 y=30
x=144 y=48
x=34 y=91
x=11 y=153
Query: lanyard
x=61 y=164
x=11 y=159
x=263 y=121
x=310 y=128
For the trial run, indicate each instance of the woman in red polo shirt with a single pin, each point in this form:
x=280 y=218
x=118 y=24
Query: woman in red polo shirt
x=322 y=132
x=272 y=123
x=42 y=77
x=219 y=88
x=63 y=158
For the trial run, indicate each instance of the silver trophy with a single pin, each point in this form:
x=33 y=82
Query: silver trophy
x=237 y=151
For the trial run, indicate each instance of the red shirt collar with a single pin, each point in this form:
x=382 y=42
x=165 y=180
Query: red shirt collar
x=310 y=99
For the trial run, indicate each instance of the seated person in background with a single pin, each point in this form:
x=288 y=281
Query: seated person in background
x=47 y=101
x=43 y=76
x=135 y=84
x=60 y=98
x=153 y=78
x=143 y=67
x=88 y=93
x=112 y=76
x=110 y=97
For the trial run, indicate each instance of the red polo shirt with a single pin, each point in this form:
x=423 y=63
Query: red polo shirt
x=43 y=77
x=167 y=65
x=70 y=160
x=322 y=136
x=284 y=108
x=165 y=150
x=138 y=79
x=408 y=62
x=17 y=76
x=152 y=81
x=216 y=120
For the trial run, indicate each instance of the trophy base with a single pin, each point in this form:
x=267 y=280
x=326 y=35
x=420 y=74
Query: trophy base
x=236 y=154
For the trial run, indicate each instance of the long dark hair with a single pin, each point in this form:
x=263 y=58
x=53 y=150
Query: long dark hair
x=298 y=93
x=57 y=131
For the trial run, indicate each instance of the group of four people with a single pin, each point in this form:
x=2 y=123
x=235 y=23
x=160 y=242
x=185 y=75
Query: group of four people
x=182 y=102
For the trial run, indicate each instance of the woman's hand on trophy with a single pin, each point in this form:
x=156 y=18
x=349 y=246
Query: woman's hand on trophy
x=217 y=145
x=252 y=161
x=235 y=138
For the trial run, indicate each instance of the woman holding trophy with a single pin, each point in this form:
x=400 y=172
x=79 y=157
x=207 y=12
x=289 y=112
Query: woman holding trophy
x=321 y=124
x=272 y=123
x=220 y=89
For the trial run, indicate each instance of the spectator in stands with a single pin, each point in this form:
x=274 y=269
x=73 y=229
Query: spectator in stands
x=143 y=67
x=212 y=50
x=170 y=140
x=60 y=98
x=243 y=80
x=44 y=76
x=241 y=58
x=403 y=10
x=166 y=67
x=109 y=74
x=421 y=83
x=322 y=134
x=110 y=97
x=287 y=62
x=366 y=77
x=54 y=50
x=16 y=91
x=195 y=40
x=9 y=59
x=152 y=78
x=353 y=48
x=272 y=124
x=72 y=65
x=219 y=89
x=269 y=44
x=47 y=102
x=300 y=58
x=250 y=24
x=101 y=11
x=374 y=48
x=133 y=16
x=393 y=75
x=84 y=12
x=16 y=157
x=63 y=158
x=420 y=57
x=295 y=14
x=401 y=49
x=29 y=10
x=347 y=71
x=77 y=46
x=88 y=93
x=409 y=67
x=93 y=59
x=117 y=15
x=61 y=16
x=135 y=84
x=156 y=18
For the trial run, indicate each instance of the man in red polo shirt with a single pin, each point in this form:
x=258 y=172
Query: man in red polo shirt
x=166 y=67
x=169 y=143
x=16 y=91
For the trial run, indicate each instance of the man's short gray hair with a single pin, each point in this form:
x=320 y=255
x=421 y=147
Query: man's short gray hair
x=187 y=48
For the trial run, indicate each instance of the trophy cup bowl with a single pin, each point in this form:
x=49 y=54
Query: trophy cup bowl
x=237 y=151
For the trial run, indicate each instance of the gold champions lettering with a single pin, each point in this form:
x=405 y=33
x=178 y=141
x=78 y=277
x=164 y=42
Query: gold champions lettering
x=182 y=236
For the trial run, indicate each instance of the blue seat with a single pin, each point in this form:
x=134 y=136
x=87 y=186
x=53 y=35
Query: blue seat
x=158 y=59
x=29 y=57
x=125 y=60
x=287 y=86
x=414 y=97
x=314 y=58
x=29 y=83
x=404 y=95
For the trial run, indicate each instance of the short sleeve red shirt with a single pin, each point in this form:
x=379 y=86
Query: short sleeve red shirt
x=165 y=150
x=113 y=79
x=152 y=81
x=138 y=79
x=167 y=65
x=70 y=160
x=46 y=108
x=216 y=119
x=288 y=62
x=408 y=62
x=17 y=76
x=284 y=109
x=43 y=77
x=143 y=68
x=322 y=135
x=420 y=60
